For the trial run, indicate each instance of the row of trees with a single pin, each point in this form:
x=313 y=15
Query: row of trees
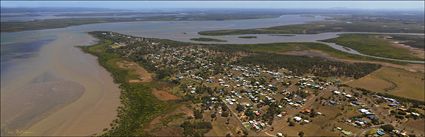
x=300 y=65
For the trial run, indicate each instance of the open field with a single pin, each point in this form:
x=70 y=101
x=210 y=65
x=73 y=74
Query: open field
x=374 y=45
x=395 y=82
x=141 y=75
x=325 y=26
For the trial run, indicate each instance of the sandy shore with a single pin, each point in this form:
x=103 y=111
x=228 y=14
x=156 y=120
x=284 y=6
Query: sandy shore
x=65 y=92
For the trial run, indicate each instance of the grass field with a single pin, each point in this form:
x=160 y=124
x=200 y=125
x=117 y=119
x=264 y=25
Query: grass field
x=373 y=45
x=321 y=27
x=395 y=82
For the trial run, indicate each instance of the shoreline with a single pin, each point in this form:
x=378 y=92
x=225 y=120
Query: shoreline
x=96 y=108
x=76 y=96
x=64 y=61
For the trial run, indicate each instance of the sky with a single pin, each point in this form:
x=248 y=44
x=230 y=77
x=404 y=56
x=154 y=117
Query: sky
x=401 y=5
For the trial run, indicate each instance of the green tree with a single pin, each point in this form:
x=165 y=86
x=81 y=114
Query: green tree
x=198 y=114
x=301 y=134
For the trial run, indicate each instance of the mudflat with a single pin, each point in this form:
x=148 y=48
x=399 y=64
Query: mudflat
x=72 y=93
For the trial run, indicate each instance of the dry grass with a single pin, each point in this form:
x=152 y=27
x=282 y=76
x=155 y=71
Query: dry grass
x=143 y=75
x=394 y=81
x=417 y=126
x=164 y=95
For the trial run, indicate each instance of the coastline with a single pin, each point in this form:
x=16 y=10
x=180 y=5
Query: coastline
x=82 y=96
x=96 y=108
x=68 y=64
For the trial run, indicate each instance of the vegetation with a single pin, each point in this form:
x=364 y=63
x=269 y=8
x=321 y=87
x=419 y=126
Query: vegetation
x=207 y=39
x=54 y=23
x=307 y=65
x=247 y=37
x=416 y=41
x=373 y=45
x=138 y=105
x=321 y=27
x=387 y=127
x=282 y=48
x=195 y=128
x=285 y=35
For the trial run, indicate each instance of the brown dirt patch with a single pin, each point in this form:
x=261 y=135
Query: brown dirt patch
x=417 y=126
x=164 y=95
x=157 y=127
x=393 y=81
x=143 y=75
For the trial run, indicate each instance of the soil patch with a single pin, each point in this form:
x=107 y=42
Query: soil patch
x=142 y=74
x=164 y=95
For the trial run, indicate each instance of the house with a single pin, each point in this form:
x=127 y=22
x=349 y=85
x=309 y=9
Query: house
x=359 y=123
x=305 y=111
x=257 y=113
x=338 y=128
x=336 y=92
x=348 y=133
x=298 y=119
x=279 y=134
x=380 y=132
x=372 y=117
x=365 y=111
x=416 y=114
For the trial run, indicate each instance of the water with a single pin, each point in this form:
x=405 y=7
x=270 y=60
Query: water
x=20 y=17
x=15 y=52
x=181 y=31
x=175 y=30
x=22 y=60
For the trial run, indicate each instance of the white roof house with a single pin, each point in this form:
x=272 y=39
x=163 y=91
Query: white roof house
x=298 y=119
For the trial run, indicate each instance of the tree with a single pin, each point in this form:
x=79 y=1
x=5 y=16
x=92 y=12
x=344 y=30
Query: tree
x=245 y=132
x=198 y=114
x=301 y=134
x=240 y=108
x=225 y=114
x=223 y=108
x=312 y=113
x=387 y=127
x=213 y=115
x=291 y=123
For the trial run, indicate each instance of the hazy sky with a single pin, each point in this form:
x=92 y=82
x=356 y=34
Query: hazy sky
x=404 y=5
